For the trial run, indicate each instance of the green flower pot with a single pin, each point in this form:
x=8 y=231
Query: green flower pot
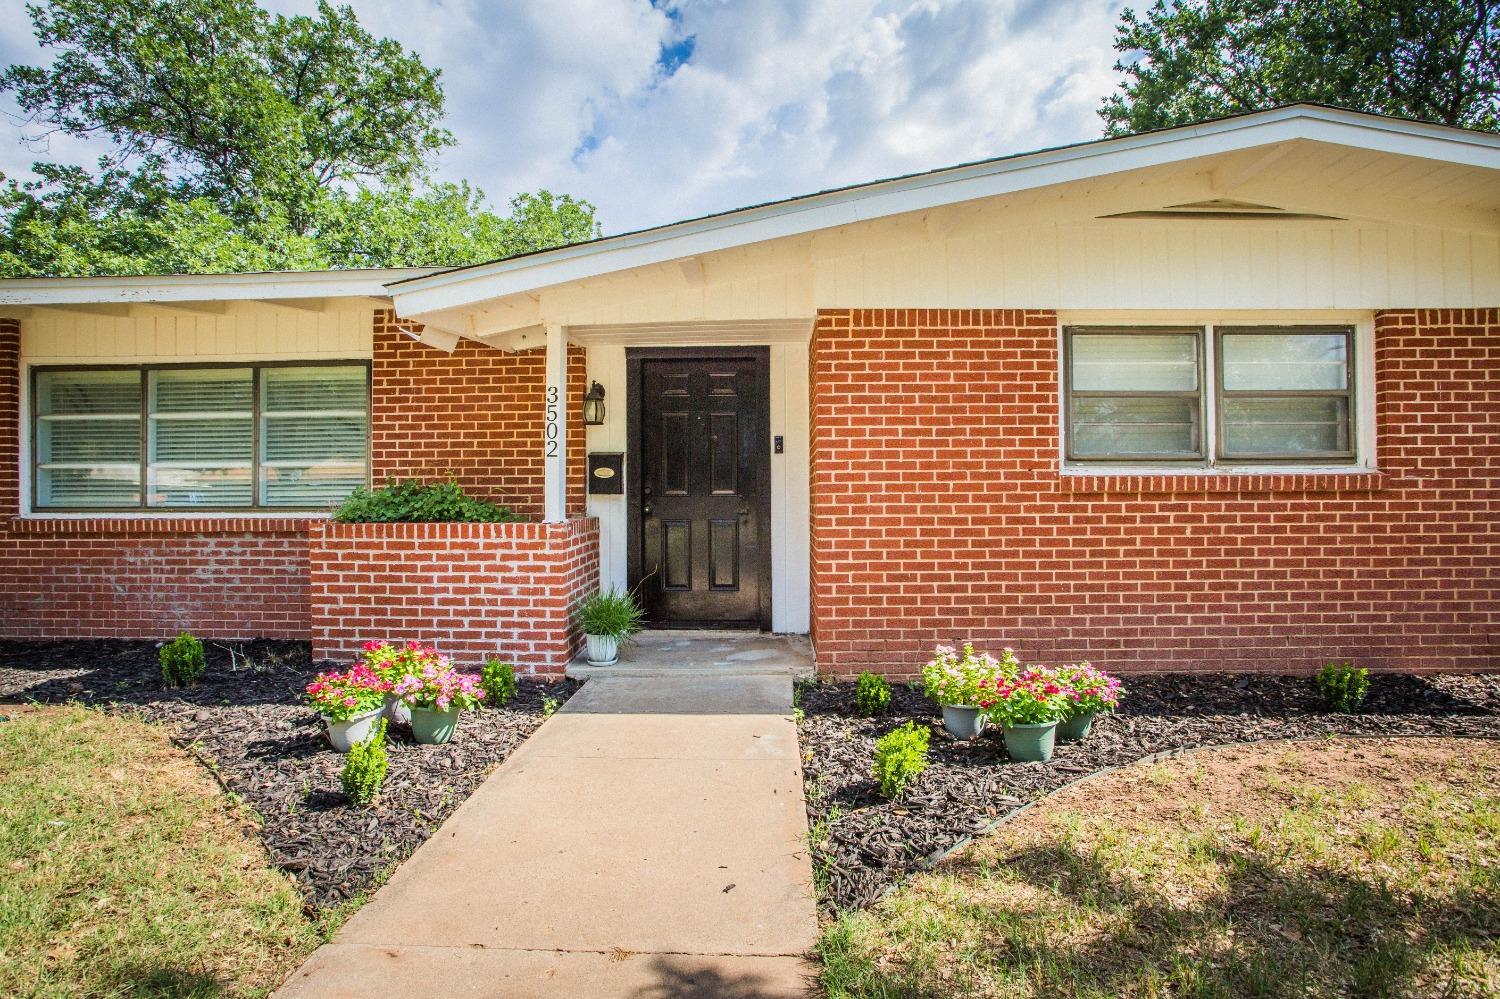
x=1076 y=728
x=432 y=727
x=963 y=721
x=1030 y=743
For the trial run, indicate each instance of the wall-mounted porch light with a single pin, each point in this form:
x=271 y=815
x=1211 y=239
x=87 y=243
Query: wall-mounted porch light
x=593 y=406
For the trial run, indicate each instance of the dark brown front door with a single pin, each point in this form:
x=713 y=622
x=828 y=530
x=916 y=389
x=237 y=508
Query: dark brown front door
x=700 y=524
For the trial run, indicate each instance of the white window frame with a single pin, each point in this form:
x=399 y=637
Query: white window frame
x=1363 y=324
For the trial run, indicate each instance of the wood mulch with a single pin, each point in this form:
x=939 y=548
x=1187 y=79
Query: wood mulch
x=868 y=844
x=247 y=720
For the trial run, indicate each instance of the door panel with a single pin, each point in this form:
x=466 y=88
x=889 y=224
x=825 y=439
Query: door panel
x=701 y=494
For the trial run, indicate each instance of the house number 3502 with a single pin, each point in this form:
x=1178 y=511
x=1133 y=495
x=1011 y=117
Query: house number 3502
x=552 y=399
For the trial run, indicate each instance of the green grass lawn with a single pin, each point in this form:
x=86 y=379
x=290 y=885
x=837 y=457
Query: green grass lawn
x=1337 y=869
x=125 y=870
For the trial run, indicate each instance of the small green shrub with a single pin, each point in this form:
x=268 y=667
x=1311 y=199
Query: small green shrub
x=414 y=502
x=1343 y=687
x=872 y=695
x=611 y=612
x=181 y=661
x=498 y=681
x=550 y=705
x=365 y=767
x=900 y=755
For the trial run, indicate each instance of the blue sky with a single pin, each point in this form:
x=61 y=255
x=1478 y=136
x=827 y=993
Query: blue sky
x=668 y=110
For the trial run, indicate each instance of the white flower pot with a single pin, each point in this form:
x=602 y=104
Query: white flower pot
x=396 y=710
x=345 y=735
x=601 y=650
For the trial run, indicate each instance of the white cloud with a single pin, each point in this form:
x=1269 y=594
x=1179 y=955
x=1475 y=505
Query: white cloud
x=777 y=97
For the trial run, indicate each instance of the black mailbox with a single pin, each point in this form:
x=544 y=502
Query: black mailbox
x=606 y=474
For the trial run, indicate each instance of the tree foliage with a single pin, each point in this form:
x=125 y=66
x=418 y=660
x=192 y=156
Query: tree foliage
x=245 y=141
x=1188 y=60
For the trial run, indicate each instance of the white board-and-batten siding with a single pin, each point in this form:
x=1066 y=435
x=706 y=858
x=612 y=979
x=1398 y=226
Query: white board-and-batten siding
x=1121 y=264
x=245 y=332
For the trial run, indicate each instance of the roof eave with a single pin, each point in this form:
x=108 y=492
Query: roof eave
x=144 y=289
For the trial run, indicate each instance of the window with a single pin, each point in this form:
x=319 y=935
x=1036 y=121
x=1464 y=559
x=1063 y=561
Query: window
x=1135 y=394
x=1285 y=394
x=223 y=437
x=1275 y=394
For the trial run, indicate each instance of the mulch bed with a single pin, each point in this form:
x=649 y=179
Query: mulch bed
x=871 y=844
x=247 y=720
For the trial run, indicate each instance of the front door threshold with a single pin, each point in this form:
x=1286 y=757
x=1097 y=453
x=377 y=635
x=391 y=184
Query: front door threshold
x=704 y=654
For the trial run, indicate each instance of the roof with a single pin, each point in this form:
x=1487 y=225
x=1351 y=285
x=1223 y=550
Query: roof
x=916 y=192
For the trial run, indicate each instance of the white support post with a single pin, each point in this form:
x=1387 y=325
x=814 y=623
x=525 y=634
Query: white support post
x=555 y=435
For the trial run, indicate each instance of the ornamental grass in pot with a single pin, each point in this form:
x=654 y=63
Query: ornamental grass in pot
x=437 y=694
x=1089 y=692
x=349 y=703
x=608 y=618
x=961 y=683
x=1028 y=708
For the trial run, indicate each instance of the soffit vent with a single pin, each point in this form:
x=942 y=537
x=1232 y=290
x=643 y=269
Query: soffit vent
x=1224 y=208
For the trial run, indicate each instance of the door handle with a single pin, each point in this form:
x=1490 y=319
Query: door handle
x=646 y=510
x=744 y=511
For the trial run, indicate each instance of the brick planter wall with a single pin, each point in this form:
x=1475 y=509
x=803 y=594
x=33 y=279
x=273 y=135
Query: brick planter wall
x=939 y=513
x=471 y=590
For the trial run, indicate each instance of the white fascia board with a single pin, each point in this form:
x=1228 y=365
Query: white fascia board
x=144 y=290
x=461 y=287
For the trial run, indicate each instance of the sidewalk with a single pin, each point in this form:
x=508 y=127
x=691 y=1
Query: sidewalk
x=647 y=841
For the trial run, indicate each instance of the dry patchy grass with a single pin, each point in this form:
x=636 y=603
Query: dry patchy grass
x=1307 y=869
x=127 y=872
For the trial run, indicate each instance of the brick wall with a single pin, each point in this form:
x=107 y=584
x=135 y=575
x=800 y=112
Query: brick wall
x=476 y=414
x=939 y=514
x=471 y=590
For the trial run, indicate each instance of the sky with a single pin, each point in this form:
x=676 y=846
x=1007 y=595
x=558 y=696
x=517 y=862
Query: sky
x=663 y=111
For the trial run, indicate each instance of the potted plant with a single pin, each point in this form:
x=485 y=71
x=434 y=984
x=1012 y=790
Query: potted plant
x=394 y=663
x=436 y=694
x=1028 y=708
x=608 y=618
x=350 y=704
x=960 y=683
x=1088 y=692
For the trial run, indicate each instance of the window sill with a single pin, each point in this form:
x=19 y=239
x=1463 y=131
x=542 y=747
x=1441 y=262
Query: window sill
x=137 y=524
x=1354 y=480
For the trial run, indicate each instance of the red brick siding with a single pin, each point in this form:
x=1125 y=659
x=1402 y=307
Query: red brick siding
x=216 y=580
x=476 y=414
x=10 y=418
x=939 y=514
x=471 y=590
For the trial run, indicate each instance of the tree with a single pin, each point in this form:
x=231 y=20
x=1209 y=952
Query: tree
x=445 y=224
x=260 y=114
x=1188 y=60
x=243 y=141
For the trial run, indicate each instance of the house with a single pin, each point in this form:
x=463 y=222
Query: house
x=1224 y=396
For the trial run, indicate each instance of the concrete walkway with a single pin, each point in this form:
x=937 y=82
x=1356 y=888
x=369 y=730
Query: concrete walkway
x=647 y=841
